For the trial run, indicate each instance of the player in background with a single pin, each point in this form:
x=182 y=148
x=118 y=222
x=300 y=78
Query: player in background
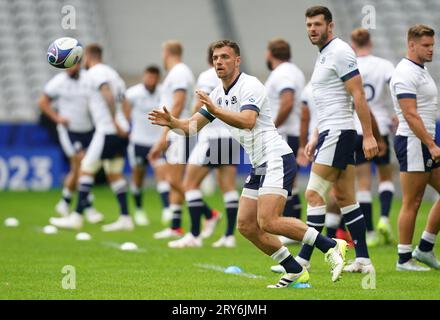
x=177 y=93
x=284 y=86
x=264 y=195
x=69 y=93
x=109 y=142
x=376 y=74
x=140 y=100
x=335 y=81
x=415 y=98
x=215 y=148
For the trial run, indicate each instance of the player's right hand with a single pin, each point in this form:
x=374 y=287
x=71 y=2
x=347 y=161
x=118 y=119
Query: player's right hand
x=435 y=152
x=62 y=121
x=160 y=117
x=301 y=159
x=156 y=151
x=370 y=147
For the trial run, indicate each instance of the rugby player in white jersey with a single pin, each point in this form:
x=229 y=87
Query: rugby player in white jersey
x=69 y=92
x=284 y=87
x=215 y=149
x=376 y=74
x=109 y=142
x=140 y=100
x=335 y=81
x=177 y=93
x=415 y=99
x=242 y=104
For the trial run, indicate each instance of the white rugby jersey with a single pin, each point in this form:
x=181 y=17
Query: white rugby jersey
x=307 y=98
x=142 y=102
x=412 y=80
x=336 y=64
x=376 y=75
x=71 y=98
x=263 y=142
x=180 y=77
x=103 y=74
x=207 y=82
x=286 y=76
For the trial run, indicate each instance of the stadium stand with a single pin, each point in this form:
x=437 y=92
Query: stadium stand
x=26 y=29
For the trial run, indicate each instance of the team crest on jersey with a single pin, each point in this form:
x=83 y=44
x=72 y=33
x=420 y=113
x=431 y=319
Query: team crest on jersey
x=234 y=100
x=322 y=60
x=429 y=163
x=227 y=102
x=219 y=101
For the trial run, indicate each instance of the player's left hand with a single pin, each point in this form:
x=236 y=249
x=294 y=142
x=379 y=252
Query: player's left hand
x=370 y=147
x=204 y=98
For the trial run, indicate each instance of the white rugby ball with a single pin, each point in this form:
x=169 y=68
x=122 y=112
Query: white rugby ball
x=64 y=53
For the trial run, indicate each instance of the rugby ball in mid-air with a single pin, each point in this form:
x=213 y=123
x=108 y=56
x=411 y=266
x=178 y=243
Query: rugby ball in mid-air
x=64 y=52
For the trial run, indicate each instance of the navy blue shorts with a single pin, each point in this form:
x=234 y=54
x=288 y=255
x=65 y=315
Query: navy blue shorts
x=114 y=146
x=413 y=155
x=272 y=177
x=336 y=148
x=138 y=155
x=73 y=142
x=293 y=142
x=360 y=156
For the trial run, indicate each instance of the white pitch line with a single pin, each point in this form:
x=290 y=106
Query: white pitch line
x=221 y=269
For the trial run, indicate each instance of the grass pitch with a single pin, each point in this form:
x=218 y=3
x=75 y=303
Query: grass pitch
x=31 y=262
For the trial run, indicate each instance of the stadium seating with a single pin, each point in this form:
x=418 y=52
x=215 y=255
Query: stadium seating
x=26 y=29
x=393 y=18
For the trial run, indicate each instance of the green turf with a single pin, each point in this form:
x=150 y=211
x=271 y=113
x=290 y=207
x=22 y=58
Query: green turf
x=31 y=262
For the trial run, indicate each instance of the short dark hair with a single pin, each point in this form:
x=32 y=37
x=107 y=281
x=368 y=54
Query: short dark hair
x=226 y=43
x=317 y=10
x=280 y=49
x=360 y=37
x=152 y=69
x=95 y=50
x=420 y=30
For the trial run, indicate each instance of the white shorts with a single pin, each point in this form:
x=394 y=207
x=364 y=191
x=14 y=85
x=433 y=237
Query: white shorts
x=272 y=177
x=336 y=148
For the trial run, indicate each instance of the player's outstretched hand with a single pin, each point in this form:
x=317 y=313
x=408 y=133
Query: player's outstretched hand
x=370 y=147
x=160 y=117
x=204 y=98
